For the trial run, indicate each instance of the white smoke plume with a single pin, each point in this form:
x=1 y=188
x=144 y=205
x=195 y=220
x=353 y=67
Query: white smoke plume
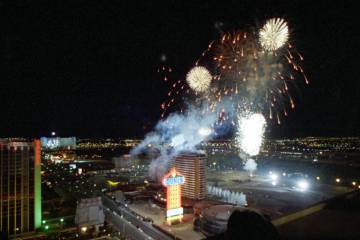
x=177 y=133
x=250 y=165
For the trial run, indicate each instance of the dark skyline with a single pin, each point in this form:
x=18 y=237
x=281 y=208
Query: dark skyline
x=88 y=68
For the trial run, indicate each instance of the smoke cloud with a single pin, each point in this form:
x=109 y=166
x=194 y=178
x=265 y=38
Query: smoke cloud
x=177 y=133
x=250 y=165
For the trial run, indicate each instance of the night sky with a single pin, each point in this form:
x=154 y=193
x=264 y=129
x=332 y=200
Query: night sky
x=88 y=68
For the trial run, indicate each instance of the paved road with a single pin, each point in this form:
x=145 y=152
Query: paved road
x=135 y=220
x=124 y=227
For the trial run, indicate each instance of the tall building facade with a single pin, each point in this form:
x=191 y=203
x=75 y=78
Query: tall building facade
x=192 y=167
x=20 y=186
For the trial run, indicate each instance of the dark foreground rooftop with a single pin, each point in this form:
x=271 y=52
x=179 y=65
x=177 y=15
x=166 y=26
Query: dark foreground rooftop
x=337 y=218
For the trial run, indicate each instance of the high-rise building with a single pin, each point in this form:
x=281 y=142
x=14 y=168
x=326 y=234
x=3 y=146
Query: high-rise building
x=58 y=143
x=20 y=187
x=192 y=167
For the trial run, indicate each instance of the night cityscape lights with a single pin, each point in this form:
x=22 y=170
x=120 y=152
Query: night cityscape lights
x=167 y=120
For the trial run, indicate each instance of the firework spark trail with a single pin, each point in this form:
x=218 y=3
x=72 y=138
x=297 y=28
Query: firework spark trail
x=238 y=80
x=244 y=70
x=178 y=88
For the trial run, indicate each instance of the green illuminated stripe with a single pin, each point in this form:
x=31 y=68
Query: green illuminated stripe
x=37 y=178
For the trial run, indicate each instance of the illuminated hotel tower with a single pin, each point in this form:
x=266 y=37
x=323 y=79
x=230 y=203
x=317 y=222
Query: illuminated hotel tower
x=192 y=167
x=20 y=187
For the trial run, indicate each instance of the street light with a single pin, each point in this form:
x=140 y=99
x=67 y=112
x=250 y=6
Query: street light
x=274 y=176
x=303 y=185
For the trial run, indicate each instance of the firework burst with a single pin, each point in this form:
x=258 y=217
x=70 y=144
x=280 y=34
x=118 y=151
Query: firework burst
x=199 y=79
x=246 y=73
x=256 y=69
x=250 y=133
x=274 y=34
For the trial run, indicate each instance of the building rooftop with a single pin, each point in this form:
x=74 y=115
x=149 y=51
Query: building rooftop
x=338 y=219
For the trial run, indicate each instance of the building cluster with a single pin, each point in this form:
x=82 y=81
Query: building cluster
x=314 y=144
x=184 y=189
x=106 y=143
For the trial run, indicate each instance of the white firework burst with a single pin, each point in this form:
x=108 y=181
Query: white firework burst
x=274 y=34
x=199 y=79
x=250 y=133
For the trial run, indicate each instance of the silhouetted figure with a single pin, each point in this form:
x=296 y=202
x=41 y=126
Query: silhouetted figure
x=248 y=225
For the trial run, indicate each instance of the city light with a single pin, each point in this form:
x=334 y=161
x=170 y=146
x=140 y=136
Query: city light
x=61 y=220
x=83 y=229
x=303 y=185
x=274 y=176
x=338 y=180
x=353 y=183
x=112 y=183
x=318 y=178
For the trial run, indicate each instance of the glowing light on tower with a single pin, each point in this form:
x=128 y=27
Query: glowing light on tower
x=173 y=181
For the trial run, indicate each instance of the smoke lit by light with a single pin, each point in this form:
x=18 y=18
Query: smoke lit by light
x=204 y=131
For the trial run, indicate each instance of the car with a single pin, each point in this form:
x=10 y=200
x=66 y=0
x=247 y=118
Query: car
x=147 y=219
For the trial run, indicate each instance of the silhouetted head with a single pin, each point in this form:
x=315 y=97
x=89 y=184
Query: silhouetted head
x=250 y=225
x=247 y=225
